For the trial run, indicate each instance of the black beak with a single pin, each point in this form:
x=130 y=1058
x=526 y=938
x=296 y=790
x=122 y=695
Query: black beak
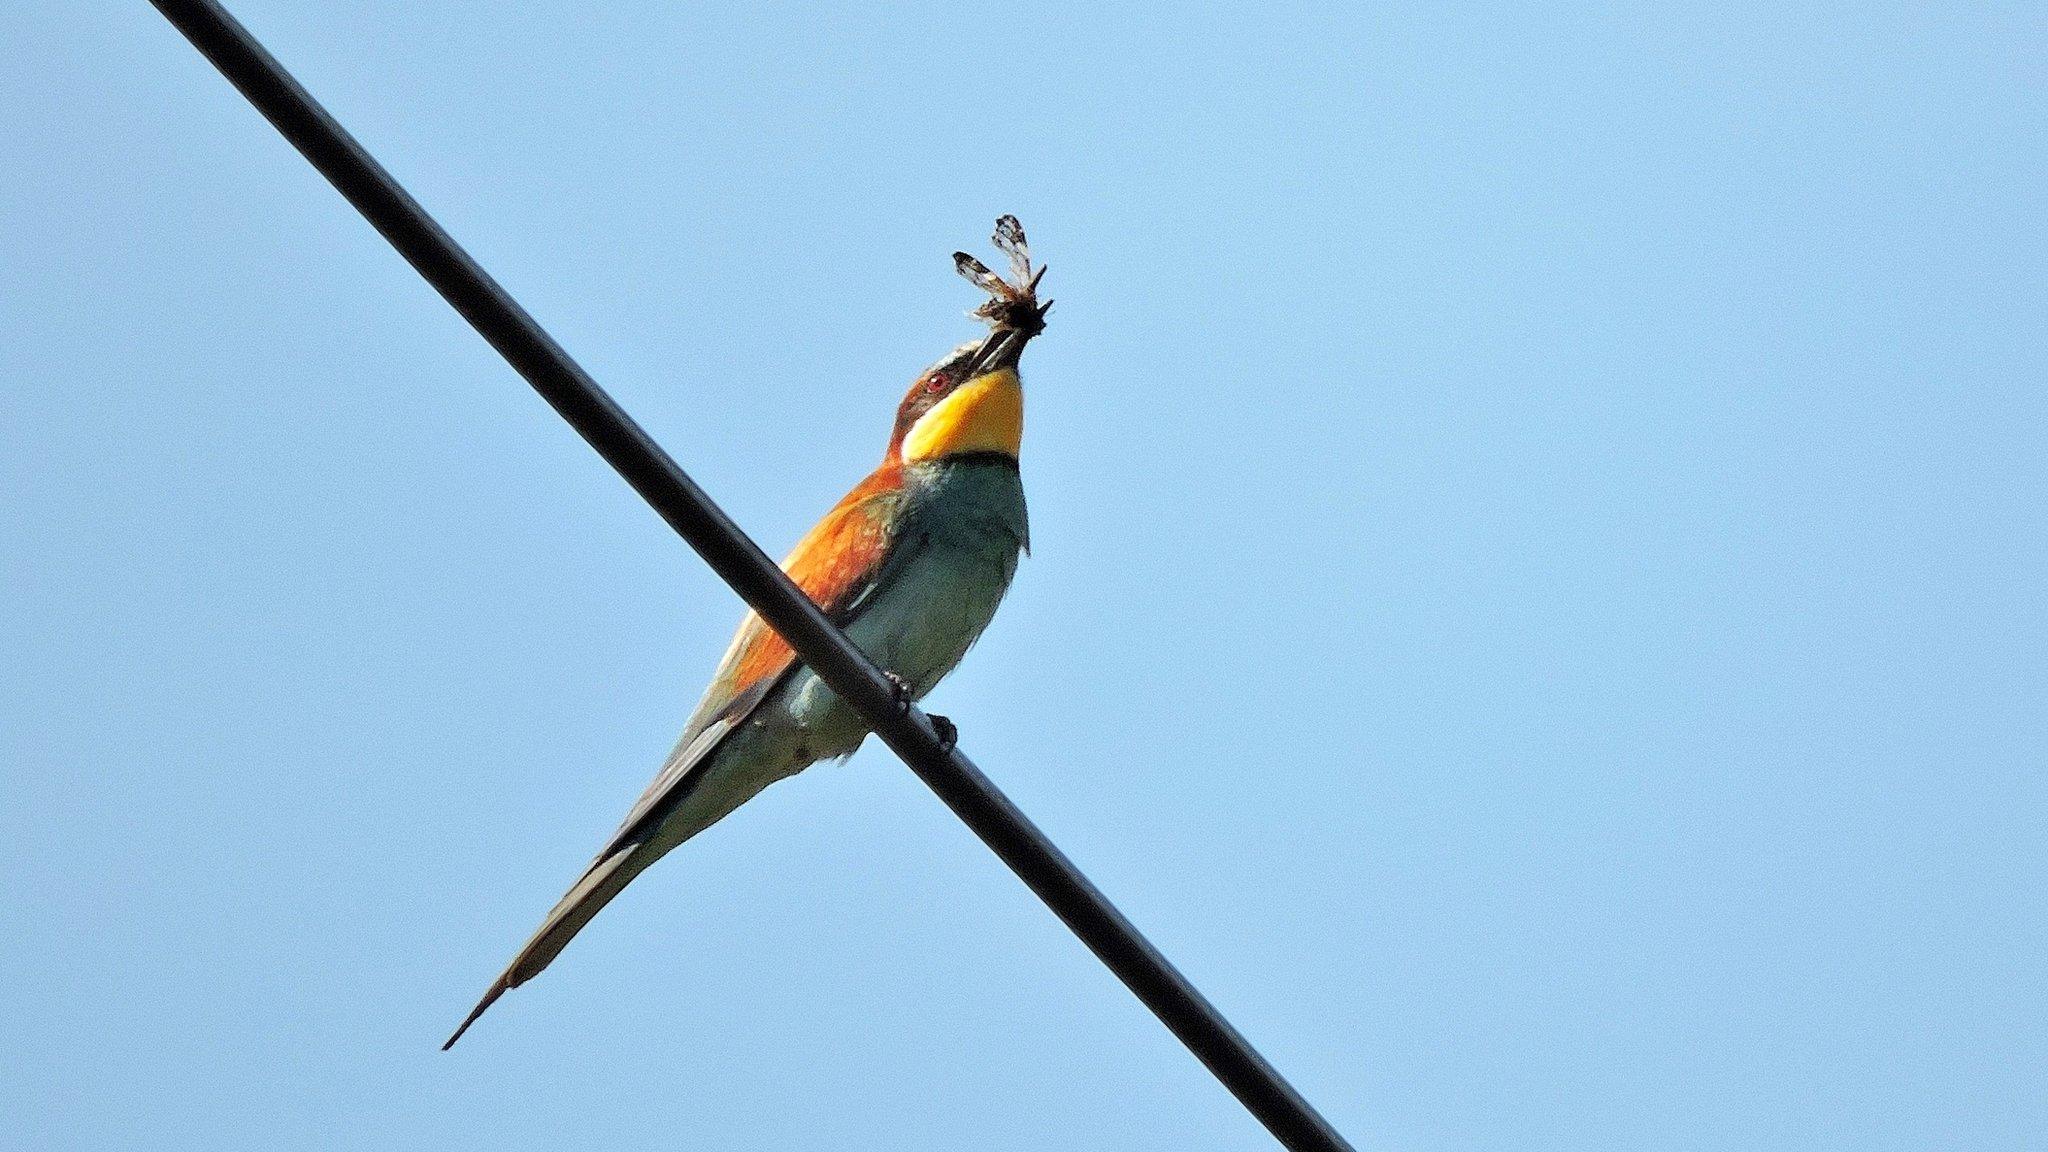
x=1015 y=326
x=1001 y=350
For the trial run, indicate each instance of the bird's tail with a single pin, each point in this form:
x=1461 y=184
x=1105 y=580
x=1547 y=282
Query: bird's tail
x=605 y=879
x=673 y=809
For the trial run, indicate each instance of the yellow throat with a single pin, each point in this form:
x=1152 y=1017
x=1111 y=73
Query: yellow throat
x=986 y=414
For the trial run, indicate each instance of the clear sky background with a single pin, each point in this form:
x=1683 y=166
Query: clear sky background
x=1538 y=603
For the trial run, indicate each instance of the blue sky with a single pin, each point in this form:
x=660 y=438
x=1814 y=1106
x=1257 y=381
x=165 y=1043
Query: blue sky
x=1537 y=602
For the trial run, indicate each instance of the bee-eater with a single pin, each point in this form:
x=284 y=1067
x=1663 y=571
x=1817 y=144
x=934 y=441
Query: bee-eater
x=911 y=564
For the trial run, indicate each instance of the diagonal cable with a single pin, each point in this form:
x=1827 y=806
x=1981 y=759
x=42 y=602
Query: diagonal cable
x=741 y=563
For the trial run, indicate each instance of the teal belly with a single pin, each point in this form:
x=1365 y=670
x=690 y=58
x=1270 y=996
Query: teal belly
x=961 y=535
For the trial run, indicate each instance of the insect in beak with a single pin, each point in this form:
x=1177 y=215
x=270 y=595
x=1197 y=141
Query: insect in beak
x=1012 y=309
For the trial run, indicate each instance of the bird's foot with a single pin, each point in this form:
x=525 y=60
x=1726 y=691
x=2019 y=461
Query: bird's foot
x=904 y=696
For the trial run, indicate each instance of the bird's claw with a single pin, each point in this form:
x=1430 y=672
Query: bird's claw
x=948 y=734
x=904 y=696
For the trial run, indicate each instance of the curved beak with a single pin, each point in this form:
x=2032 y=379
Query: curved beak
x=1001 y=350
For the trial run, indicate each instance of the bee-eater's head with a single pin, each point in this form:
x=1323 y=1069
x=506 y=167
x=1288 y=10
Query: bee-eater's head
x=972 y=401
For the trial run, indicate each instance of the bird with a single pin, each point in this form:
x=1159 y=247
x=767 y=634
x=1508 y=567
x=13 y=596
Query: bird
x=911 y=563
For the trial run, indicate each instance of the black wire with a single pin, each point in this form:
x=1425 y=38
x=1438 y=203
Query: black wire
x=742 y=564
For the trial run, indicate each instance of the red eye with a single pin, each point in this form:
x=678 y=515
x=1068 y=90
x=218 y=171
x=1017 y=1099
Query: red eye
x=937 y=382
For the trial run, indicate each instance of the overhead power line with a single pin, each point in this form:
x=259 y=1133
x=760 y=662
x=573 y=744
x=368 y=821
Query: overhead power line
x=742 y=564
